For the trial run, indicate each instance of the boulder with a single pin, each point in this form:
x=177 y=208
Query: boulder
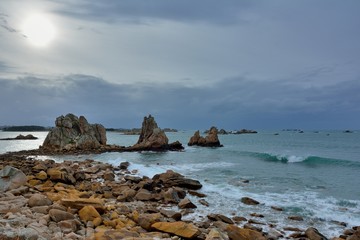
x=186 y=203
x=313 y=234
x=37 y=200
x=211 y=140
x=215 y=234
x=174 y=179
x=249 y=201
x=88 y=213
x=71 y=132
x=236 y=233
x=58 y=215
x=153 y=138
x=181 y=229
x=61 y=174
x=11 y=178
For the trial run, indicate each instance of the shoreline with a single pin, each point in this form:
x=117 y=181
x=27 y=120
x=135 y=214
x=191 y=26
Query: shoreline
x=103 y=179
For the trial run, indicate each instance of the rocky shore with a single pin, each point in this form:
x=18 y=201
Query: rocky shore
x=94 y=200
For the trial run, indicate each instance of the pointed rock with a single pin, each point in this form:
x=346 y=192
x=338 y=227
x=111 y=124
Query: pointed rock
x=153 y=138
x=211 y=140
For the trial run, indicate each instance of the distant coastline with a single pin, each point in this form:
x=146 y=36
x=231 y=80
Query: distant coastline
x=25 y=128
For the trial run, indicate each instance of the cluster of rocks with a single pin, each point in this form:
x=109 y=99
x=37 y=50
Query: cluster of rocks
x=72 y=132
x=211 y=140
x=94 y=200
x=74 y=135
x=21 y=137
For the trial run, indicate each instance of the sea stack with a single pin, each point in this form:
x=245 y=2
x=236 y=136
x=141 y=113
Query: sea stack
x=71 y=133
x=211 y=140
x=152 y=138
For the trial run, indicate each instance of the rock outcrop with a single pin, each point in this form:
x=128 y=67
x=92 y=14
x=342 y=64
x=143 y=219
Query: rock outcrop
x=211 y=140
x=21 y=137
x=71 y=132
x=153 y=138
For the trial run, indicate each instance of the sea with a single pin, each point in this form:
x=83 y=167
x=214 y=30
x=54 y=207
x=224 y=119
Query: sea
x=312 y=174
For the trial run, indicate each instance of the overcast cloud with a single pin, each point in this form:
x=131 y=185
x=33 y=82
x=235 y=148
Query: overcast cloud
x=192 y=64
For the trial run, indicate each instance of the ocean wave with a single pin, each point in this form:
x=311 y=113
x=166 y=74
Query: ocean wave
x=308 y=160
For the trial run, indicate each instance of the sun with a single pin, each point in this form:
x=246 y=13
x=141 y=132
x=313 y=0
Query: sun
x=39 y=30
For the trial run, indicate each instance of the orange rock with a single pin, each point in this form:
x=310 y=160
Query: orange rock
x=236 y=233
x=41 y=175
x=79 y=203
x=181 y=229
x=88 y=213
x=115 y=234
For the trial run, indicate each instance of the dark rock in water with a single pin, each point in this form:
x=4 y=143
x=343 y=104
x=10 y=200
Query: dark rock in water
x=152 y=138
x=173 y=179
x=245 y=131
x=21 y=137
x=249 y=201
x=124 y=165
x=72 y=132
x=296 y=218
x=186 y=203
x=313 y=234
x=11 y=178
x=211 y=140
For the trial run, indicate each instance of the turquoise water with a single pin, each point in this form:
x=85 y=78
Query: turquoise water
x=312 y=174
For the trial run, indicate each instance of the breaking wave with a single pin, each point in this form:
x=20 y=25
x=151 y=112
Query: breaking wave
x=308 y=160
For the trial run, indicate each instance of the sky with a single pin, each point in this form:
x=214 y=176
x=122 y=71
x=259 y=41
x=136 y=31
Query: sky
x=234 y=64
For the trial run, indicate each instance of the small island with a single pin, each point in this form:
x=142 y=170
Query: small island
x=21 y=137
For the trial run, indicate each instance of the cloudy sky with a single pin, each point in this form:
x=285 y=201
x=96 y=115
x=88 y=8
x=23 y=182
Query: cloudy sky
x=234 y=64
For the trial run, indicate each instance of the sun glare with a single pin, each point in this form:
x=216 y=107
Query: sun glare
x=39 y=30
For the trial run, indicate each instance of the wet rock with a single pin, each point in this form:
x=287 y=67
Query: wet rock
x=277 y=208
x=296 y=218
x=355 y=235
x=249 y=201
x=124 y=165
x=197 y=194
x=236 y=233
x=186 y=203
x=204 y=202
x=11 y=178
x=171 y=179
x=171 y=214
x=171 y=196
x=220 y=217
x=314 y=234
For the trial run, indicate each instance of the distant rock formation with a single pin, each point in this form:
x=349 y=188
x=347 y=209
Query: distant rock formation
x=211 y=140
x=21 y=137
x=72 y=132
x=153 y=138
